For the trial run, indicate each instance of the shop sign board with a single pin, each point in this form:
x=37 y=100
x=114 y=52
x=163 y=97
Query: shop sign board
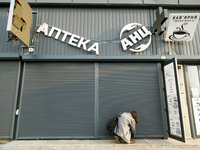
x=19 y=21
x=181 y=26
x=74 y=40
x=173 y=102
x=88 y=45
x=135 y=38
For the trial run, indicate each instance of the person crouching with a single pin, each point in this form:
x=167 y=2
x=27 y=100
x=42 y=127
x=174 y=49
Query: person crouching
x=125 y=130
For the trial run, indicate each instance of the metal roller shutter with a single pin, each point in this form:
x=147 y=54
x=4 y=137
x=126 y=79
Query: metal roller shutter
x=126 y=87
x=9 y=80
x=57 y=101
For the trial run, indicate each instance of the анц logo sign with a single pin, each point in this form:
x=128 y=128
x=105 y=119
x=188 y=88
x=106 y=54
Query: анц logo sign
x=133 y=40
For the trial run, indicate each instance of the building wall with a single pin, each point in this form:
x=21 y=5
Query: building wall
x=9 y=82
x=102 y=25
x=114 y=2
x=7 y=47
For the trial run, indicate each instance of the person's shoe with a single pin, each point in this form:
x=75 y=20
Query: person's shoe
x=132 y=141
x=117 y=139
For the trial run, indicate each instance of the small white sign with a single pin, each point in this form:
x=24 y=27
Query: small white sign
x=181 y=27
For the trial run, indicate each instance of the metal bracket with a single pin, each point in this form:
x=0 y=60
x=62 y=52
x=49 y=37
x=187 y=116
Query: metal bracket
x=17 y=112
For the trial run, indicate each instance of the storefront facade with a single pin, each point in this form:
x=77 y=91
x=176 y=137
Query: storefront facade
x=68 y=89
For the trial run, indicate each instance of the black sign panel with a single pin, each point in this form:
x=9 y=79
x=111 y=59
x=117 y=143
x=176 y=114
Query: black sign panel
x=173 y=103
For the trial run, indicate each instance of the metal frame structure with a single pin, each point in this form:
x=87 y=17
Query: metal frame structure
x=172 y=135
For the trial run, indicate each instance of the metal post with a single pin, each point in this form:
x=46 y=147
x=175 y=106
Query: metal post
x=96 y=99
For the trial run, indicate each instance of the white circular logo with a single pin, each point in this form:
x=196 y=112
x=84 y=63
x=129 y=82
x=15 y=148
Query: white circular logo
x=134 y=38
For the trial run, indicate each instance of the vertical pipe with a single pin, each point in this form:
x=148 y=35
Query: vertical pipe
x=96 y=99
x=20 y=99
x=16 y=100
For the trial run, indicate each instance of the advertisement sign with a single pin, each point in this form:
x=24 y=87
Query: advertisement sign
x=173 y=100
x=137 y=38
x=181 y=27
x=174 y=117
x=19 y=21
x=75 y=40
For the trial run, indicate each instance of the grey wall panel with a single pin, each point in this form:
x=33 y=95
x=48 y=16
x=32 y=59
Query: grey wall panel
x=127 y=87
x=54 y=2
x=102 y=25
x=125 y=2
x=4 y=1
x=179 y=48
x=118 y=2
x=8 y=1
x=191 y=2
x=98 y=25
x=90 y=1
x=6 y=47
x=31 y=1
x=57 y=101
x=9 y=78
x=169 y=2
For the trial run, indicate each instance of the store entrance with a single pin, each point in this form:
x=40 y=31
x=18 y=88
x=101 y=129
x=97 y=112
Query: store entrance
x=72 y=100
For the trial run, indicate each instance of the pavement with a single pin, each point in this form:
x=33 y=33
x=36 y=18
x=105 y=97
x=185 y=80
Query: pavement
x=140 y=144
